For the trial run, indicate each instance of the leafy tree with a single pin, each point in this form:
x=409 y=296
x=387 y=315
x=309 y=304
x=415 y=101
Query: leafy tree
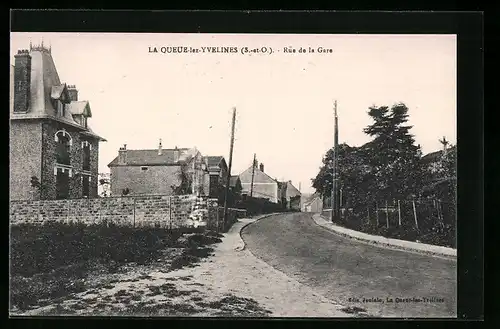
x=392 y=155
x=352 y=174
x=185 y=186
x=441 y=183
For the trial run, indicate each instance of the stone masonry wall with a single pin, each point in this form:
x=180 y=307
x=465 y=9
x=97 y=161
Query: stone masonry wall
x=162 y=211
x=25 y=157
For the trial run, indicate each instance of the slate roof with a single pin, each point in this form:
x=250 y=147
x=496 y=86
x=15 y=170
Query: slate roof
x=46 y=86
x=80 y=108
x=57 y=91
x=213 y=161
x=259 y=176
x=150 y=157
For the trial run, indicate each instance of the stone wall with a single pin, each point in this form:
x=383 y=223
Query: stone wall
x=25 y=157
x=144 y=179
x=163 y=211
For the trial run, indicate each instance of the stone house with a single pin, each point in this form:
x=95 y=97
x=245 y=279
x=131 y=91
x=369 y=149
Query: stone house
x=53 y=151
x=264 y=186
x=313 y=204
x=292 y=196
x=217 y=171
x=159 y=172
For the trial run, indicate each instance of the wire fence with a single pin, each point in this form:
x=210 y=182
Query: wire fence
x=427 y=220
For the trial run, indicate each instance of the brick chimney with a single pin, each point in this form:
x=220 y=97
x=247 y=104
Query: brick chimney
x=73 y=93
x=159 y=148
x=122 y=155
x=261 y=167
x=22 y=81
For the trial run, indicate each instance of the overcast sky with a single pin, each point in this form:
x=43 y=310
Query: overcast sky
x=284 y=101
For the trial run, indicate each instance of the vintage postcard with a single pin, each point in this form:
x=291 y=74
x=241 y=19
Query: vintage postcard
x=233 y=175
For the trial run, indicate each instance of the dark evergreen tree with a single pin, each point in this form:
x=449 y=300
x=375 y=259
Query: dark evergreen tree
x=393 y=157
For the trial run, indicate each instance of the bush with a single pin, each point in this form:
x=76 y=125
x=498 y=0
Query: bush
x=40 y=249
x=430 y=230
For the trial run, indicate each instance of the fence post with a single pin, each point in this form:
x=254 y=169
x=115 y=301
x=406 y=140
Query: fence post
x=134 y=214
x=415 y=214
x=399 y=213
x=386 y=214
x=376 y=210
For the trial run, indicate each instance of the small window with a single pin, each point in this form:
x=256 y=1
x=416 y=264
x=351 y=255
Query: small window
x=144 y=168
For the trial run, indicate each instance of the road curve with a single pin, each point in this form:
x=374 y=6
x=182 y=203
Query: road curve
x=360 y=276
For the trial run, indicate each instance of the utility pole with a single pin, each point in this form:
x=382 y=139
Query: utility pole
x=335 y=203
x=230 y=164
x=253 y=173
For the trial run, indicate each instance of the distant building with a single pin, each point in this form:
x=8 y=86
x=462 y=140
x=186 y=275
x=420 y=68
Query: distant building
x=264 y=186
x=217 y=171
x=313 y=204
x=51 y=142
x=158 y=171
x=292 y=196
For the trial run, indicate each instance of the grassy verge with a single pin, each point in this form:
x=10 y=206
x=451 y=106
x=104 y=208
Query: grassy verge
x=52 y=261
x=429 y=231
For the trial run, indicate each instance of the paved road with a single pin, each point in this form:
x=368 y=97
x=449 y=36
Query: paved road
x=342 y=269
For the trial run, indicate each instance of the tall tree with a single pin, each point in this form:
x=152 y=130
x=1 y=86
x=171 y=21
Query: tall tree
x=393 y=157
x=352 y=169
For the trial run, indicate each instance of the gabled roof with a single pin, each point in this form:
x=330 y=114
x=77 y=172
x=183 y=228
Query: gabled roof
x=44 y=87
x=80 y=108
x=213 y=161
x=290 y=189
x=313 y=197
x=259 y=176
x=151 y=157
x=59 y=92
x=234 y=181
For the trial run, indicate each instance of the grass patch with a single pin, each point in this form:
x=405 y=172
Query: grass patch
x=54 y=260
x=232 y=305
x=168 y=290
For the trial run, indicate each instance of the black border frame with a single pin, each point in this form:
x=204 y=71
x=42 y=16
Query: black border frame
x=470 y=93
